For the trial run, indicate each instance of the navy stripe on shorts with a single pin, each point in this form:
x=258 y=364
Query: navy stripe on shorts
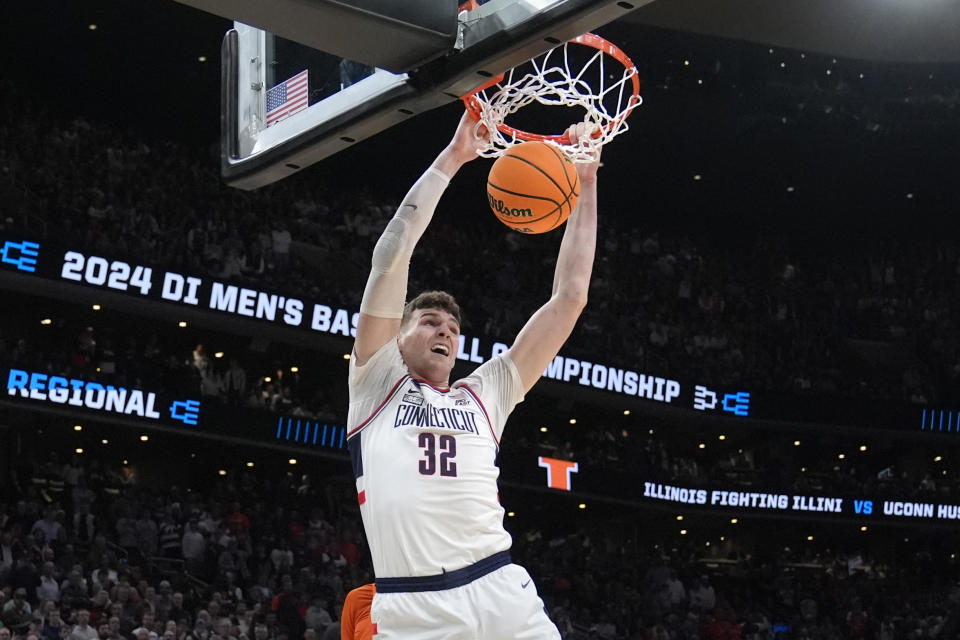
x=447 y=579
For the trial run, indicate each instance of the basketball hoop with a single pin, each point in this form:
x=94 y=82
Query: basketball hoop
x=560 y=77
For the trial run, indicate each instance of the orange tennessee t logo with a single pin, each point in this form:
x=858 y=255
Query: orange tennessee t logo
x=558 y=472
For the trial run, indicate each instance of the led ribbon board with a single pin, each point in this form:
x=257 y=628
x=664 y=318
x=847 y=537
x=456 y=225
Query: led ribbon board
x=67 y=265
x=23 y=259
x=753 y=501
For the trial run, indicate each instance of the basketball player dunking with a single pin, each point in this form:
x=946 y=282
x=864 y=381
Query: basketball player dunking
x=424 y=450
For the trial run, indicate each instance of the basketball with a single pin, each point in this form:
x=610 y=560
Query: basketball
x=532 y=187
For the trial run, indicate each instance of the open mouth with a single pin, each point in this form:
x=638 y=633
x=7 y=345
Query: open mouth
x=441 y=349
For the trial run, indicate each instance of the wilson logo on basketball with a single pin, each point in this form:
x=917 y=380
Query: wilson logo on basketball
x=503 y=210
x=532 y=187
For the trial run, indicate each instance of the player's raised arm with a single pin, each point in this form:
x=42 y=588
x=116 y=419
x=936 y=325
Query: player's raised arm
x=385 y=293
x=545 y=332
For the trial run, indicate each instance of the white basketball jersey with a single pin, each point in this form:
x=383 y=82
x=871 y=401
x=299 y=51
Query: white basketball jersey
x=424 y=460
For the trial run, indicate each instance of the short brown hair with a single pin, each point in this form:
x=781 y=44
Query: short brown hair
x=432 y=300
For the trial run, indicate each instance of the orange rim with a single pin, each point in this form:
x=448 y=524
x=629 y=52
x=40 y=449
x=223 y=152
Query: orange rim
x=473 y=104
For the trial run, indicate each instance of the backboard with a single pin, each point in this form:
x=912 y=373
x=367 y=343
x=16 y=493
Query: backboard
x=276 y=119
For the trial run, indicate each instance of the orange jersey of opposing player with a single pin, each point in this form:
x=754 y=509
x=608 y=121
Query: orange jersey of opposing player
x=355 y=620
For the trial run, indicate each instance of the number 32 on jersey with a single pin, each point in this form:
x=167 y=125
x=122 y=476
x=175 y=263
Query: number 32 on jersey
x=438 y=452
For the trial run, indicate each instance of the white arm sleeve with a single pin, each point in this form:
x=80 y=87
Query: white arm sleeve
x=386 y=290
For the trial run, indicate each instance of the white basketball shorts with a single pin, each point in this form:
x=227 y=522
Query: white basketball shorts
x=501 y=604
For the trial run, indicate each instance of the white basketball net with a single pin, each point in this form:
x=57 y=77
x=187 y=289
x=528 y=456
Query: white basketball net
x=555 y=80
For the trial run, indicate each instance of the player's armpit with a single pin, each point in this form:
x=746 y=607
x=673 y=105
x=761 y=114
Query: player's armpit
x=372 y=333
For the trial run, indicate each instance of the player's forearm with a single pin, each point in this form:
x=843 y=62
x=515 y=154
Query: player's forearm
x=571 y=278
x=417 y=207
x=386 y=290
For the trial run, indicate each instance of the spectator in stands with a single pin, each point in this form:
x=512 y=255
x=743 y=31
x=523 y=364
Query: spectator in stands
x=49 y=529
x=237 y=521
x=99 y=608
x=52 y=625
x=125 y=606
x=285 y=604
x=126 y=533
x=675 y=592
x=82 y=630
x=317 y=616
x=282 y=556
x=177 y=611
x=147 y=532
x=103 y=631
x=235 y=383
x=146 y=627
x=17 y=612
x=83 y=526
x=49 y=587
x=114 y=623
x=262 y=632
x=194 y=544
x=24 y=576
x=104 y=577
x=73 y=592
x=10 y=551
x=170 y=538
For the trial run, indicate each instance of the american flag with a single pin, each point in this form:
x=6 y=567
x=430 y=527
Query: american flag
x=287 y=98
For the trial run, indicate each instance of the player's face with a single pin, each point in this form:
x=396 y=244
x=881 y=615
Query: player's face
x=428 y=343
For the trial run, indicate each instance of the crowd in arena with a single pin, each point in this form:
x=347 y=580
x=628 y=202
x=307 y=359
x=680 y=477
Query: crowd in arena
x=88 y=552
x=88 y=549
